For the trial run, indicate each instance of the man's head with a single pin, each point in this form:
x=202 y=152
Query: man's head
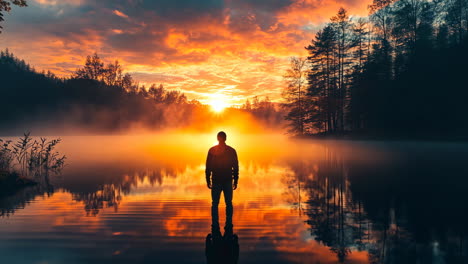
x=221 y=137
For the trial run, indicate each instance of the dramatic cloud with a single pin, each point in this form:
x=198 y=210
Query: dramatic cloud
x=120 y=14
x=239 y=48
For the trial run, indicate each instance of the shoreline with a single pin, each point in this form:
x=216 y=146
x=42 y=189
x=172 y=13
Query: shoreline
x=374 y=137
x=11 y=182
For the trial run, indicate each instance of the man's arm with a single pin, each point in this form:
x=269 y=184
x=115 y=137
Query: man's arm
x=208 y=169
x=235 y=169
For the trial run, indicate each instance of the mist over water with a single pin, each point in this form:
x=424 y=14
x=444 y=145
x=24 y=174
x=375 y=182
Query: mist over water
x=169 y=119
x=142 y=198
x=131 y=187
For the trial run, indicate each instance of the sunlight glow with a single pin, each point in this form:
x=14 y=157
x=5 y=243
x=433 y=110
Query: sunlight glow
x=218 y=105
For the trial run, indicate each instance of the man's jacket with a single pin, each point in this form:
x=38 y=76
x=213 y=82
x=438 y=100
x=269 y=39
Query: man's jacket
x=222 y=165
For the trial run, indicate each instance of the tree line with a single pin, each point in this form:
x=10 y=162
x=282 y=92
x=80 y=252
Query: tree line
x=96 y=96
x=397 y=72
x=112 y=75
x=264 y=109
x=102 y=97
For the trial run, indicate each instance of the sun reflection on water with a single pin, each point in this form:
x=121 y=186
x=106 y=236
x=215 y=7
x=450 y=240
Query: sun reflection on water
x=153 y=187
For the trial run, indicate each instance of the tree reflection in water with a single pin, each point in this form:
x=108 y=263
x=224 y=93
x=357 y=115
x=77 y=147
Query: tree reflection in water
x=21 y=198
x=408 y=210
x=410 y=207
x=107 y=196
x=97 y=194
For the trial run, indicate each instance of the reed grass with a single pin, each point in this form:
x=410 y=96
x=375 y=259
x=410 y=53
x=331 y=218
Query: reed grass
x=30 y=157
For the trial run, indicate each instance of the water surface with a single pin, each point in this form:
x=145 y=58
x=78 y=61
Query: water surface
x=143 y=199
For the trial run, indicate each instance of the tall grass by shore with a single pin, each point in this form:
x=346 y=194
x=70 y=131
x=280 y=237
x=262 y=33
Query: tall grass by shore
x=26 y=158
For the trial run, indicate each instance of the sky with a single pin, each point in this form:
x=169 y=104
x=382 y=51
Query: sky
x=227 y=50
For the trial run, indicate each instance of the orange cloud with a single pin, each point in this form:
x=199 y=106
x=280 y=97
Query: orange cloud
x=120 y=14
x=238 y=48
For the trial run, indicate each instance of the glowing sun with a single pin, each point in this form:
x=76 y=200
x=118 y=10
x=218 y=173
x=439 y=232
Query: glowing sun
x=218 y=105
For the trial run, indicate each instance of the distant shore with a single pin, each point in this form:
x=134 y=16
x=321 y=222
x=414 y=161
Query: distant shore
x=383 y=137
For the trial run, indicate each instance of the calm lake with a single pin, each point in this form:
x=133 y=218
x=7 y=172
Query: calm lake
x=143 y=199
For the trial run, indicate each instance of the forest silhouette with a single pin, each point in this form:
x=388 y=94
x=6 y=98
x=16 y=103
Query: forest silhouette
x=397 y=73
x=102 y=98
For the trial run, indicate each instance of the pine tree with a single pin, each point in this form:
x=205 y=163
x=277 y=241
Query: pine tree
x=295 y=95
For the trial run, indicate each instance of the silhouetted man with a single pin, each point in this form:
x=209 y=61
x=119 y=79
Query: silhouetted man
x=222 y=174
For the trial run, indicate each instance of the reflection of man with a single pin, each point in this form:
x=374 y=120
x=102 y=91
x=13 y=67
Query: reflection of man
x=222 y=251
x=222 y=173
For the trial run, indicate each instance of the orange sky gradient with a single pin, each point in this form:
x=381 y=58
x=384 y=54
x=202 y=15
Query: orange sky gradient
x=226 y=50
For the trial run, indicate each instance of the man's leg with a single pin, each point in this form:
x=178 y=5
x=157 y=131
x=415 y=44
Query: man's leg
x=227 y=190
x=215 y=195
